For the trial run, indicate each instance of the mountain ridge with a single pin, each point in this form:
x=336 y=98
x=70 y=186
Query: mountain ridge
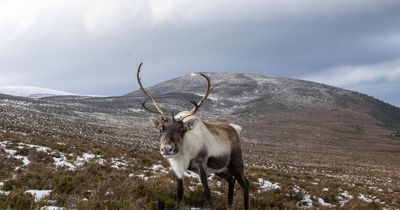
x=261 y=94
x=241 y=98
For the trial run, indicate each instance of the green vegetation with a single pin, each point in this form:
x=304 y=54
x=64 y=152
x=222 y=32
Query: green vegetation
x=17 y=200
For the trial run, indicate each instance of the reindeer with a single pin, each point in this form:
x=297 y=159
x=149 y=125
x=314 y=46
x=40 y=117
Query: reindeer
x=189 y=143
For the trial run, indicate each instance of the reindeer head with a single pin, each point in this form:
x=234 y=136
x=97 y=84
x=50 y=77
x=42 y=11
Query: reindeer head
x=173 y=129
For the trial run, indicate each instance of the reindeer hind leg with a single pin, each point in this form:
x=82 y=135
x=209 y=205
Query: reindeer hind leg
x=236 y=167
x=231 y=185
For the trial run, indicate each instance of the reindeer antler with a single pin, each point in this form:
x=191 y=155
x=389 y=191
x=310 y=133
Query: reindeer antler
x=197 y=105
x=143 y=103
x=159 y=111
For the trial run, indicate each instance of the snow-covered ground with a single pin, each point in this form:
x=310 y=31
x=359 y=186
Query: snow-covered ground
x=76 y=161
x=325 y=204
x=52 y=208
x=344 y=197
x=39 y=194
x=306 y=202
x=32 y=92
x=60 y=159
x=267 y=185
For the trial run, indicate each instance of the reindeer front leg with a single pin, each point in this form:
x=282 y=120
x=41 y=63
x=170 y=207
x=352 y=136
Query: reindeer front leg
x=206 y=189
x=179 y=190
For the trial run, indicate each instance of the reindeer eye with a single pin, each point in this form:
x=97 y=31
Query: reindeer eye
x=182 y=131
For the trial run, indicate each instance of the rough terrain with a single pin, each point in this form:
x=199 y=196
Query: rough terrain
x=306 y=145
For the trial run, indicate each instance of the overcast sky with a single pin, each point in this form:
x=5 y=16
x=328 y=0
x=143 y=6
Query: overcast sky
x=94 y=47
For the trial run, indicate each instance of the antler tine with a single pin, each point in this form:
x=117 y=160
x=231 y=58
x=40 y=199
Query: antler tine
x=143 y=103
x=173 y=117
x=209 y=89
x=196 y=106
x=163 y=116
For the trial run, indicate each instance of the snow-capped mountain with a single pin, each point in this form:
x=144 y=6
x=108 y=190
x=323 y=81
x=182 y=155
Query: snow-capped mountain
x=31 y=92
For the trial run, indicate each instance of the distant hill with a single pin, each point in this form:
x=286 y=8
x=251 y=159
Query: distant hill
x=31 y=92
x=276 y=107
x=254 y=95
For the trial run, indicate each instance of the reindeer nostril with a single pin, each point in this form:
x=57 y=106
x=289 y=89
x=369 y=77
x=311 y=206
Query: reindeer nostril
x=166 y=149
x=169 y=148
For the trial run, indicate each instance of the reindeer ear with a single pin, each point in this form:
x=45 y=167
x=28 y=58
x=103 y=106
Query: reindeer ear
x=155 y=121
x=190 y=124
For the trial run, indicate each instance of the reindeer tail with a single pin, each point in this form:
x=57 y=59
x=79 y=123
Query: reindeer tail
x=236 y=127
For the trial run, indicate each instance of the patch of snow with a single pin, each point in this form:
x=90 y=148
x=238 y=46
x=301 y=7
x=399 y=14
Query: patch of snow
x=263 y=80
x=3 y=144
x=118 y=164
x=158 y=168
x=325 y=190
x=191 y=175
x=59 y=158
x=24 y=159
x=325 y=204
x=365 y=198
x=52 y=208
x=213 y=98
x=4 y=192
x=61 y=162
x=306 y=202
x=100 y=161
x=267 y=185
x=144 y=177
x=297 y=189
x=39 y=194
x=344 y=197
x=217 y=192
x=84 y=158
x=51 y=201
x=136 y=110
x=12 y=153
x=36 y=147
x=1 y=185
x=109 y=193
